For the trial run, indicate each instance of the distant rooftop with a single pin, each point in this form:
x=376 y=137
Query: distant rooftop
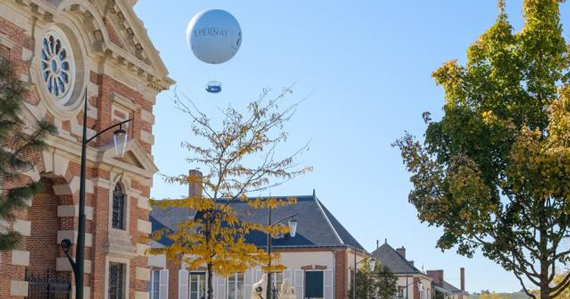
x=389 y=257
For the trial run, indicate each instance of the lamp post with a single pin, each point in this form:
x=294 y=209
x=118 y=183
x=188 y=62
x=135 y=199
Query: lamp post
x=292 y=232
x=120 y=140
x=372 y=266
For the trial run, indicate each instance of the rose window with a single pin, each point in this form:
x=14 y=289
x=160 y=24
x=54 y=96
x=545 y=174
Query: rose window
x=57 y=66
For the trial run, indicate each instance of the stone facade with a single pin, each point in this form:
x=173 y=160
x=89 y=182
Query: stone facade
x=112 y=58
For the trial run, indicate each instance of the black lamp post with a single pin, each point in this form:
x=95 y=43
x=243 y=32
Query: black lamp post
x=372 y=266
x=120 y=141
x=292 y=232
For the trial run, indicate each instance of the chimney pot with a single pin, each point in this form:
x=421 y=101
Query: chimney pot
x=436 y=276
x=462 y=277
x=401 y=251
x=195 y=187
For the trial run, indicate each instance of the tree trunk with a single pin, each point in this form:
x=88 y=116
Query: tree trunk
x=210 y=279
x=544 y=283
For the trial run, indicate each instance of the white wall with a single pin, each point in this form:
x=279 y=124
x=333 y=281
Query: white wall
x=426 y=281
x=296 y=260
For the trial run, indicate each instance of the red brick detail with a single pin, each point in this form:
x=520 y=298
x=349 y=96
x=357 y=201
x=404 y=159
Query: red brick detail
x=42 y=243
x=172 y=279
x=416 y=288
x=113 y=34
x=341 y=278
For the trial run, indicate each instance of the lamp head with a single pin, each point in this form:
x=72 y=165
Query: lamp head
x=293 y=227
x=121 y=139
x=372 y=264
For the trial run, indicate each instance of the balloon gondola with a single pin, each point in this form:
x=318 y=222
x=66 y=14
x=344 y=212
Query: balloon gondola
x=214 y=36
x=214 y=87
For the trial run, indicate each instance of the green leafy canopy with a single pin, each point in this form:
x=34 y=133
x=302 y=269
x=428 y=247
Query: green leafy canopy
x=493 y=172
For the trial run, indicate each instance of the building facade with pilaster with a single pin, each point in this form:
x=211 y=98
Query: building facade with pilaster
x=62 y=49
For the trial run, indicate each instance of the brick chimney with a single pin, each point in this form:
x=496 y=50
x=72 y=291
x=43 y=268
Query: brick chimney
x=195 y=188
x=401 y=251
x=436 y=276
x=462 y=278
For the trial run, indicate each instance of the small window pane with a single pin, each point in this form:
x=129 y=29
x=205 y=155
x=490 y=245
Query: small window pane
x=118 y=208
x=116 y=281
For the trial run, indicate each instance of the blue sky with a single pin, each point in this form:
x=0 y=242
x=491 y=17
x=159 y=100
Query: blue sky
x=366 y=65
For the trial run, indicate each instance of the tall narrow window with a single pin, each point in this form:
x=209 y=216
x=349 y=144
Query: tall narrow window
x=116 y=281
x=118 y=208
x=155 y=285
x=235 y=286
x=314 y=284
x=197 y=285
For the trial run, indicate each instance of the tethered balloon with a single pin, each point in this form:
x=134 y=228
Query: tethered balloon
x=214 y=37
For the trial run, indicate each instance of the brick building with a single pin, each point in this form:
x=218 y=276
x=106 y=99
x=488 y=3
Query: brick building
x=62 y=48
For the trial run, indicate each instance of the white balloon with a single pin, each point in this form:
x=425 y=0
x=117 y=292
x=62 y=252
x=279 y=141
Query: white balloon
x=214 y=36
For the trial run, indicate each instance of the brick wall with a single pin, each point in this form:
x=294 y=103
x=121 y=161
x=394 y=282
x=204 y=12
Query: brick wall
x=44 y=218
x=42 y=243
x=341 y=278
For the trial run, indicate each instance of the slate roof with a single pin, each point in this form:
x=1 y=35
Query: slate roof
x=450 y=287
x=316 y=227
x=388 y=256
x=447 y=288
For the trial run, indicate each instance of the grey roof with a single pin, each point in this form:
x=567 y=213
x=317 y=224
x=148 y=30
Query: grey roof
x=316 y=227
x=450 y=287
x=170 y=217
x=389 y=257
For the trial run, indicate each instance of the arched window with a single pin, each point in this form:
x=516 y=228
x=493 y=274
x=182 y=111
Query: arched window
x=118 y=208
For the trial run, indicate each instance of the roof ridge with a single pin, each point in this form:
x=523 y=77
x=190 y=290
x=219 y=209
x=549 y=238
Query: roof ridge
x=328 y=220
x=408 y=263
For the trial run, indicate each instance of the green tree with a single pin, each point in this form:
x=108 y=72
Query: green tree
x=386 y=283
x=365 y=286
x=18 y=143
x=240 y=158
x=493 y=172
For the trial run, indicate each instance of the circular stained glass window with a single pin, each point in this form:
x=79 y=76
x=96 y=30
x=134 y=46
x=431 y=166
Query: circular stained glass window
x=57 y=66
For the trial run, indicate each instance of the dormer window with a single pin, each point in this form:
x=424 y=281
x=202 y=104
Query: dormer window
x=118 y=221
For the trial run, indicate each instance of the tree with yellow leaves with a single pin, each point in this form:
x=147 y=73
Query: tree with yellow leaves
x=240 y=158
x=493 y=172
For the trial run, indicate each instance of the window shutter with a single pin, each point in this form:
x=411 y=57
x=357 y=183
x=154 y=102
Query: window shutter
x=221 y=287
x=298 y=283
x=329 y=284
x=247 y=284
x=163 y=288
x=183 y=284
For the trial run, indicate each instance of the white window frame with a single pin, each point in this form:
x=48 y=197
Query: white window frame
x=154 y=281
x=235 y=276
x=200 y=274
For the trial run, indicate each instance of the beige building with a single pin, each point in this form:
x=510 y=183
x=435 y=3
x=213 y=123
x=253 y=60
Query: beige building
x=318 y=259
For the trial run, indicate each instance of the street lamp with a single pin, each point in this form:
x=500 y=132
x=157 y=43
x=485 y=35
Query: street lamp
x=372 y=264
x=120 y=140
x=292 y=233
